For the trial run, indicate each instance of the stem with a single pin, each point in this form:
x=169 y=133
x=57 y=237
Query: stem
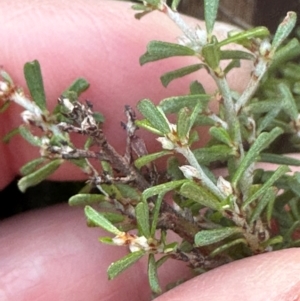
x=206 y=181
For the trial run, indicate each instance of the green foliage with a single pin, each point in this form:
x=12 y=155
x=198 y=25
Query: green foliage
x=216 y=218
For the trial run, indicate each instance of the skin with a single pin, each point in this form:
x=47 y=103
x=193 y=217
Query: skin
x=49 y=254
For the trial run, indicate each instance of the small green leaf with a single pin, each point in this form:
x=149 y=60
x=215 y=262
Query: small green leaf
x=142 y=216
x=284 y=29
x=175 y=4
x=170 y=76
x=31 y=166
x=173 y=169
x=289 y=103
x=155 y=213
x=267 y=197
x=27 y=135
x=10 y=135
x=183 y=125
x=268 y=118
x=195 y=113
x=149 y=158
x=280 y=171
x=221 y=134
x=212 y=55
x=233 y=64
x=196 y=88
x=228 y=245
x=261 y=142
x=113 y=217
x=6 y=77
x=210 y=14
x=157 y=50
x=139 y=7
x=207 y=237
x=174 y=104
x=273 y=241
x=152 y=275
x=279 y=159
x=86 y=199
x=107 y=240
x=162 y=188
x=200 y=195
x=121 y=265
x=156 y=118
x=39 y=175
x=34 y=80
x=244 y=36
x=236 y=55
x=128 y=191
x=78 y=86
x=219 y=152
x=145 y=124
x=4 y=106
x=99 y=118
x=286 y=53
x=96 y=219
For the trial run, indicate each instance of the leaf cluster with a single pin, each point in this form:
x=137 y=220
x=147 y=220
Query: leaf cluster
x=218 y=219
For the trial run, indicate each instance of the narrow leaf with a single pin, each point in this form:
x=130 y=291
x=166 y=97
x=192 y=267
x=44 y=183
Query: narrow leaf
x=31 y=166
x=96 y=219
x=78 y=86
x=162 y=188
x=196 y=88
x=145 y=124
x=286 y=53
x=152 y=275
x=261 y=142
x=207 y=237
x=183 y=125
x=233 y=64
x=86 y=199
x=239 y=38
x=174 y=104
x=284 y=29
x=121 y=265
x=280 y=171
x=39 y=175
x=7 y=137
x=149 y=158
x=142 y=216
x=210 y=14
x=289 y=103
x=212 y=55
x=228 y=245
x=219 y=152
x=153 y=115
x=170 y=76
x=4 y=106
x=157 y=50
x=279 y=159
x=34 y=80
x=269 y=196
x=236 y=55
x=200 y=195
x=27 y=135
x=155 y=216
x=175 y=4
x=221 y=134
